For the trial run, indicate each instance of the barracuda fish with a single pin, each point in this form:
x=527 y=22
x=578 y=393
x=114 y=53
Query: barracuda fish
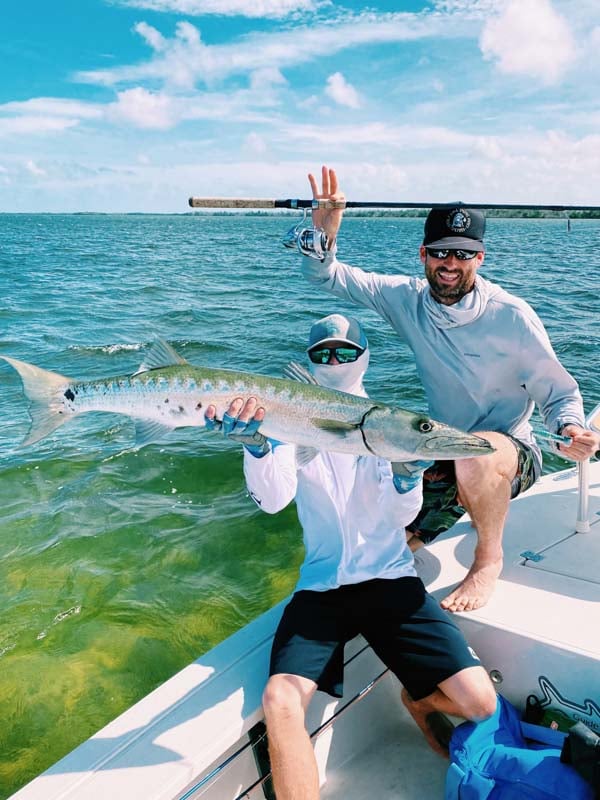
x=168 y=392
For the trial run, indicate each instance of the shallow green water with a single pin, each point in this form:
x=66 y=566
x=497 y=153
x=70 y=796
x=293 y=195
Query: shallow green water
x=117 y=568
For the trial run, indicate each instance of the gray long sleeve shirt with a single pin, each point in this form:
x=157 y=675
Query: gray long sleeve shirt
x=483 y=362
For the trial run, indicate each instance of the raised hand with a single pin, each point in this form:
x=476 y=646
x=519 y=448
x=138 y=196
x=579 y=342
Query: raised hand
x=328 y=219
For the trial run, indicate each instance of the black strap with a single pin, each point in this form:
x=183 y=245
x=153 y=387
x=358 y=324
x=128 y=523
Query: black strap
x=582 y=750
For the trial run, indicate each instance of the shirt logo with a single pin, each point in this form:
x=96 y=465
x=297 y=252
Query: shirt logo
x=473 y=653
x=458 y=220
x=255 y=498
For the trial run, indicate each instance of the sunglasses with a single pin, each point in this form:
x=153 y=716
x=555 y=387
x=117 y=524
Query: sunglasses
x=462 y=255
x=345 y=355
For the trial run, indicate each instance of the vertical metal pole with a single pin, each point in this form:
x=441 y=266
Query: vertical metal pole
x=583 y=504
x=583 y=522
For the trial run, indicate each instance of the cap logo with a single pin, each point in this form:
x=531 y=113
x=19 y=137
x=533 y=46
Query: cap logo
x=458 y=220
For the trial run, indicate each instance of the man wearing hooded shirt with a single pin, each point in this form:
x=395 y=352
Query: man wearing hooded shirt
x=358 y=574
x=484 y=359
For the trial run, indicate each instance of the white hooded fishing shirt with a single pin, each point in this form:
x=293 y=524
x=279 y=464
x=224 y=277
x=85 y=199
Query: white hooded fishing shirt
x=483 y=362
x=352 y=517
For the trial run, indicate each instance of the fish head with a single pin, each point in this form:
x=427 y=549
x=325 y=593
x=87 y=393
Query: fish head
x=400 y=435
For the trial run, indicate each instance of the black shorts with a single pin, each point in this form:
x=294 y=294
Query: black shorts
x=405 y=626
x=441 y=509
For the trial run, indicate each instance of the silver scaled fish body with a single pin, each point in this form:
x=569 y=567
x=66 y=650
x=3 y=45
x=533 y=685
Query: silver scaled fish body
x=168 y=392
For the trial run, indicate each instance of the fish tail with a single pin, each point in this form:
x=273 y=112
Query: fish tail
x=45 y=391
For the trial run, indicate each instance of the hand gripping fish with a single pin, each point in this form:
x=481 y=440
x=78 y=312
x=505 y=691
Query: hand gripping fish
x=168 y=392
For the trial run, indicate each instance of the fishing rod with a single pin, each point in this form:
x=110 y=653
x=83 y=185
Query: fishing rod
x=247 y=202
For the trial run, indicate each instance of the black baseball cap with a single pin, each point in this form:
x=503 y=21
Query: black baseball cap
x=455 y=227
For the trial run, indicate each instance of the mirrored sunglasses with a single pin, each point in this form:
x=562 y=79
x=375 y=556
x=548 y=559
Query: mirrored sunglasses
x=462 y=255
x=345 y=355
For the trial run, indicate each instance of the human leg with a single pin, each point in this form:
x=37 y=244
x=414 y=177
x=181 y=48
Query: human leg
x=441 y=507
x=293 y=763
x=484 y=488
x=468 y=694
x=308 y=653
x=425 y=649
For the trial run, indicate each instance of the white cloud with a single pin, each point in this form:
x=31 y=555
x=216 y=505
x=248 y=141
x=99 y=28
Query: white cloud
x=483 y=137
x=388 y=137
x=162 y=111
x=185 y=59
x=33 y=169
x=273 y=9
x=488 y=147
x=521 y=167
x=467 y=8
x=266 y=78
x=254 y=143
x=34 y=125
x=343 y=93
x=54 y=107
x=529 y=39
x=309 y=103
x=145 y=109
x=151 y=36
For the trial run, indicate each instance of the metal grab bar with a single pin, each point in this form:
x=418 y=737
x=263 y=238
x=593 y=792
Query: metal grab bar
x=582 y=524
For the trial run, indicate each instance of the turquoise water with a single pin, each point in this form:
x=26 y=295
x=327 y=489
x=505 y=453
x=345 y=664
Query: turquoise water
x=119 y=568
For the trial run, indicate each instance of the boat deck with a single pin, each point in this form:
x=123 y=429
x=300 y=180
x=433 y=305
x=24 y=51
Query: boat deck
x=389 y=758
x=538 y=634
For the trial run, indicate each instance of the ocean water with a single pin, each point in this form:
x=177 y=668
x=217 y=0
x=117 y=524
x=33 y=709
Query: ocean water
x=118 y=568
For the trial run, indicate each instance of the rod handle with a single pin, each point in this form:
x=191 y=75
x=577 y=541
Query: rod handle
x=229 y=202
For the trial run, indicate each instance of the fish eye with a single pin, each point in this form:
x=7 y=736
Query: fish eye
x=425 y=426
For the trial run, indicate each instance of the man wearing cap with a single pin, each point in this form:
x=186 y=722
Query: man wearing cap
x=484 y=359
x=358 y=574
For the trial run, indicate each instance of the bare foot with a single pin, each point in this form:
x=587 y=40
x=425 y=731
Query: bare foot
x=476 y=589
x=420 y=714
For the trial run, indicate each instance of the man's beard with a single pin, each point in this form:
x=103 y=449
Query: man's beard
x=443 y=292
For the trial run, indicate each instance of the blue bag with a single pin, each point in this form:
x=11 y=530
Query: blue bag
x=492 y=760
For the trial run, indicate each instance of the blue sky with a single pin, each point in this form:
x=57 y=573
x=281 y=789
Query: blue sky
x=134 y=105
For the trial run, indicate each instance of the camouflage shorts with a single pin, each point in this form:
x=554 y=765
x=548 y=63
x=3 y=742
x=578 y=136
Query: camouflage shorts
x=441 y=508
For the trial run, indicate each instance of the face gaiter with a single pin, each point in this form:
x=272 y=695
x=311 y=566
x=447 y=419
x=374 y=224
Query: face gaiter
x=343 y=377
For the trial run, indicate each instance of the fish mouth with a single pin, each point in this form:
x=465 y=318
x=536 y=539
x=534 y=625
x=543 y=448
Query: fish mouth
x=459 y=447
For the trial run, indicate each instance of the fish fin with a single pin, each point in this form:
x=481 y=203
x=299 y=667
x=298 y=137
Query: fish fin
x=296 y=372
x=304 y=455
x=334 y=426
x=148 y=431
x=161 y=354
x=44 y=390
